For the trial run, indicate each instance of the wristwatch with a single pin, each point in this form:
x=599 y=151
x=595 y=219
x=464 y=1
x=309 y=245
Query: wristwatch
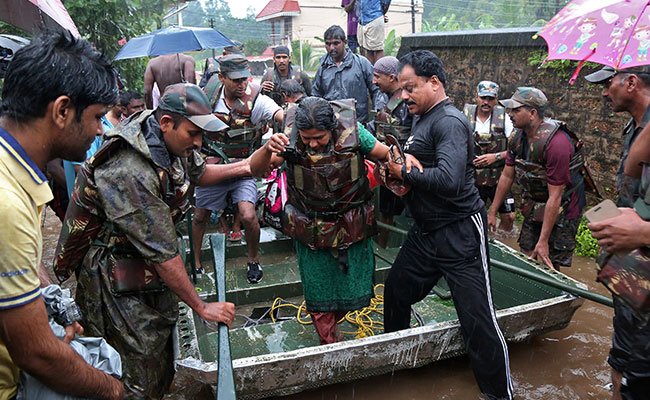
x=497 y=156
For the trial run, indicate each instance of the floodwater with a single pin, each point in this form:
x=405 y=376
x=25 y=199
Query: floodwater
x=566 y=364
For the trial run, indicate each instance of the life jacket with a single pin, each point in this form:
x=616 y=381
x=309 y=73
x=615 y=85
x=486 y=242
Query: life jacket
x=387 y=123
x=329 y=198
x=530 y=162
x=243 y=137
x=174 y=191
x=272 y=74
x=487 y=143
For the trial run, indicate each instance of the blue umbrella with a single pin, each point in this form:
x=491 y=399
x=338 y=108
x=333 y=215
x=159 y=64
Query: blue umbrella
x=173 y=39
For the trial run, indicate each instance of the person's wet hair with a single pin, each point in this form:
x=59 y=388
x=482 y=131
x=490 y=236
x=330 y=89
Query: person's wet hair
x=56 y=64
x=335 y=32
x=126 y=97
x=291 y=87
x=425 y=64
x=315 y=113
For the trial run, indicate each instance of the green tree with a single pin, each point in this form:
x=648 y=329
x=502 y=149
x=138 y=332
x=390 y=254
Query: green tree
x=105 y=22
x=255 y=47
x=392 y=43
x=310 y=56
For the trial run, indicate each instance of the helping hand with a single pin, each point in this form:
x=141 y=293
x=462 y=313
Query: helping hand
x=492 y=222
x=267 y=86
x=220 y=312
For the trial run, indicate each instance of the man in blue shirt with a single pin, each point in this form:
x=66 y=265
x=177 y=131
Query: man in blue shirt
x=370 y=33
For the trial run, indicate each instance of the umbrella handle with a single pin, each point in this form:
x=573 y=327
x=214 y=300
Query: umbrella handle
x=579 y=67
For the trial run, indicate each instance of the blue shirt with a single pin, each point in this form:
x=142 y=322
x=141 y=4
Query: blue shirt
x=68 y=166
x=370 y=10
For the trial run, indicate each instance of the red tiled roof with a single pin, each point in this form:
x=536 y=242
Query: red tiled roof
x=278 y=7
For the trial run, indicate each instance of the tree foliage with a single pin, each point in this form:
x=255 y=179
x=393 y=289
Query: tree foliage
x=484 y=14
x=105 y=22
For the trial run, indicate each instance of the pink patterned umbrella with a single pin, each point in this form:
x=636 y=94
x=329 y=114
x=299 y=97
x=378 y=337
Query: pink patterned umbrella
x=608 y=32
x=32 y=15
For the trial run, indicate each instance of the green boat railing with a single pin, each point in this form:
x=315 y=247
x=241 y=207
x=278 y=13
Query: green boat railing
x=586 y=294
x=225 y=379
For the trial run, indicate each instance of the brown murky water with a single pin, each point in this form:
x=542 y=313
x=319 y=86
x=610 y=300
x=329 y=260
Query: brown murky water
x=566 y=364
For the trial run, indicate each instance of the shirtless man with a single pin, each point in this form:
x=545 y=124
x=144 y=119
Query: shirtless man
x=167 y=70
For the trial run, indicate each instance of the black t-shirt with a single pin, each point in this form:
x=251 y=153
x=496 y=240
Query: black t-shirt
x=445 y=192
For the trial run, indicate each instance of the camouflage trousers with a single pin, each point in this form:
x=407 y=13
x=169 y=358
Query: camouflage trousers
x=561 y=243
x=138 y=326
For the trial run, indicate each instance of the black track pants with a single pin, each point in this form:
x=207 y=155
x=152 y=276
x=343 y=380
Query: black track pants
x=458 y=252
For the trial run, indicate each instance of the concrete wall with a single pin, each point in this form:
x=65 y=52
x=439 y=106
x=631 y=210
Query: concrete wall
x=502 y=56
x=318 y=15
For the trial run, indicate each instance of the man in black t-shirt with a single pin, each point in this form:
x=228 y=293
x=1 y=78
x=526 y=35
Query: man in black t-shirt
x=448 y=238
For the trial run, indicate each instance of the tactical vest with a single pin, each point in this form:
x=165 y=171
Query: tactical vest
x=243 y=137
x=272 y=74
x=388 y=124
x=530 y=161
x=487 y=143
x=329 y=199
x=174 y=190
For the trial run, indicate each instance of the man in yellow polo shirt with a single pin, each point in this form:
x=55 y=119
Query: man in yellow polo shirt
x=55 y=91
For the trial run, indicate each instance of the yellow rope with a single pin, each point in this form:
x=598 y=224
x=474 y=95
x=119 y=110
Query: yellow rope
x=362 y=318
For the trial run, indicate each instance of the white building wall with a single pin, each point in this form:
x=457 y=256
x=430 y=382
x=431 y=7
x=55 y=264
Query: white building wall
x=318 y=15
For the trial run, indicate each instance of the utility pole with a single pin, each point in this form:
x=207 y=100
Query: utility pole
x=412 y=16
x=212 y=26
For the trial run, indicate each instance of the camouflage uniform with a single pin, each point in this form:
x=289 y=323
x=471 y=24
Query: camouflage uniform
x=529 y=155
x=494 y=142
x=122 y=217
x=393 y=119
x=295 y=73
x=337 y=269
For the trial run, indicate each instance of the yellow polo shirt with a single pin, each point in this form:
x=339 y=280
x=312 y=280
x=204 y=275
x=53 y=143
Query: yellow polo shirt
x=23 y=194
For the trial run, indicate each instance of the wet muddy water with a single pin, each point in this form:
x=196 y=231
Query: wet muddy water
x=566 y=364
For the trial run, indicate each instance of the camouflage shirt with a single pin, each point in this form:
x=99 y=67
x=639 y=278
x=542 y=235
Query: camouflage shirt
x=126 y=191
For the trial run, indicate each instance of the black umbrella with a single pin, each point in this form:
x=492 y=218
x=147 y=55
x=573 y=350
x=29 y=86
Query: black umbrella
x=171 y=40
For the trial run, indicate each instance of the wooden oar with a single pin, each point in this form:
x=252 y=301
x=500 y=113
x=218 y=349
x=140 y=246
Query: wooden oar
x=531 y=275
x=225 y=379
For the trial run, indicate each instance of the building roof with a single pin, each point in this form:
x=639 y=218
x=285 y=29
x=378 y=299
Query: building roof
x=279 y=8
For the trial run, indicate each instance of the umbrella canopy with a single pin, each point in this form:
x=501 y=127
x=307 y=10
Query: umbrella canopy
x=173 y=39
x=32 y=15
x=608 y=32
x=9 y=44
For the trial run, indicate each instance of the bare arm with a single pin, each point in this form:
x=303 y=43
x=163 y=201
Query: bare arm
x=189 y=70
x=148 y=87
x=639 y=152
x=503 y=187
x=34 y=348
x=551 y=211
x=215 y=173
x=173 y=274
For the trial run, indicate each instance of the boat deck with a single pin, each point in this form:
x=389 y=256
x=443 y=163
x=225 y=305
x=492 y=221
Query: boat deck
x=285 y=357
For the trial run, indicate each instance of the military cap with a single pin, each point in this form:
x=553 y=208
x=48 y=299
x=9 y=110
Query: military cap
x=487 y=88
x=237 y=47
x=188 y=100
x=234 y=66
x=602 y=75
x=525 y=96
